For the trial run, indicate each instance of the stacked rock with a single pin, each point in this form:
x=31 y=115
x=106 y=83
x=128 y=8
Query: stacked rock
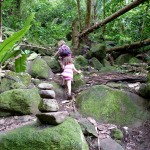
x=49 y=106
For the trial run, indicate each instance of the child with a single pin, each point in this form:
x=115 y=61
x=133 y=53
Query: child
x=67 y=74
x=63 y=51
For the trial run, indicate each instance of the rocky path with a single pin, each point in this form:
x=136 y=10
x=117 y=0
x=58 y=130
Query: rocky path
x=134 y=138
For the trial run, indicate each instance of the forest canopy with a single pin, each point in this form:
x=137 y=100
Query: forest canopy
x=54 y=18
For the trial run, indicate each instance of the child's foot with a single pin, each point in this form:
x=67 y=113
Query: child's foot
x=62 y=85
x=69 y=97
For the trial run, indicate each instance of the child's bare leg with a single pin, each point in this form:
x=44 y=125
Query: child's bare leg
x=69 y=87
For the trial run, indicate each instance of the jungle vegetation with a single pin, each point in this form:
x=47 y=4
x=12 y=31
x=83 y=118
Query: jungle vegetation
x=91 y=20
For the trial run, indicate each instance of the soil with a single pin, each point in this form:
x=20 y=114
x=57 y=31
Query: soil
x=135 y=138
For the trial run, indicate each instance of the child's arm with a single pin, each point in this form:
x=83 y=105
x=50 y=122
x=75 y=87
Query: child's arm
x=74 y=69
x=56 y=54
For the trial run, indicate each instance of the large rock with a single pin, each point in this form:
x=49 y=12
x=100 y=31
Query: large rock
x=96 y=63
x=78 y=80
x=20 y=101
x=38 y=68
x=13 y=80
x=98 y=51
x=52 y=118
x=52 y=63
x=110 y=144
x=112 y=106
x=66 y=136
x=81 y=60
x=124 y=58
x=47 y=105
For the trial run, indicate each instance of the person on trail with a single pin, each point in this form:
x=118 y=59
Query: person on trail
x=67 y=74
x=63 y=51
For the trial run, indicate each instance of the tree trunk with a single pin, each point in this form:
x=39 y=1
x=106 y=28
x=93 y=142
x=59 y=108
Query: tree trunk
x=1 y=21
x=88 y=14
x=104 y=14
x=79 y=15
x=134 y=45
x=134 y=4
x=75 y=39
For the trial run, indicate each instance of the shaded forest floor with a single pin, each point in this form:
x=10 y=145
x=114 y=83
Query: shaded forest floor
x=136 y=138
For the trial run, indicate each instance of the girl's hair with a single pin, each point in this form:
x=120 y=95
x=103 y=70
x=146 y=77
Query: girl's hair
x=67 y=60
x=60 y=43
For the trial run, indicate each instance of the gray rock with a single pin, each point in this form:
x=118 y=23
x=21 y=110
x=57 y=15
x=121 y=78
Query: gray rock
x=47 y=93
x=87 y=127
x=45 y=86
x=53 y=118
x=110 y=144
x=48 y=105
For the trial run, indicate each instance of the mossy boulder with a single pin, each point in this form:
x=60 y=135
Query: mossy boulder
x=105 y=63
x=52 y=63
x=98 y=51
x=13 y=80
x=116 y=134
x=144 y=90
x=124 y=58
x=96 y=63
x=82 y=61
x=78 y=81
x=40 y=69
x=112 y=106
x=66 y=136
x=60 y=93
x=20 y=101
x=134 y=60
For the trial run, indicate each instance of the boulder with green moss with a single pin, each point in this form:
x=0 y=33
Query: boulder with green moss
x=52 y=63
x=19 y=101
x=13 y=80
x=134 y=60
x=78 y=81
x=96 y=63
x=82 y=61
x=144 y=90
x=116 y=134
x=66 y=136
x=124 y=58
x=98 y=51
x=105 y=63
x=112 y=106
x=39 y=69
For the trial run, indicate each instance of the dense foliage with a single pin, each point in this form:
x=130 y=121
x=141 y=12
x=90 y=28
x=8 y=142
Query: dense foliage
x=53 y=20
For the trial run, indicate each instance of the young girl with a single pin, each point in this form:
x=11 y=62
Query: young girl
x=67 y=74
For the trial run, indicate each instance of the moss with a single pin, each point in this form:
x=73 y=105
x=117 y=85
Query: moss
x=108 y=105
x=40 y=69
x=78 y=81
x=98 y=51
x=15 y=81
x=52 y=63
x=66 y=136
x=123 y=59
x=80 y=60
x=117 y=134
x=21 y=101
x=96 y=64
x=134 y=60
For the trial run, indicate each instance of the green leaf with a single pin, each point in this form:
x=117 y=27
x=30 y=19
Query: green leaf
x=20 y=63
x=7 y=45
x=11 y=55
